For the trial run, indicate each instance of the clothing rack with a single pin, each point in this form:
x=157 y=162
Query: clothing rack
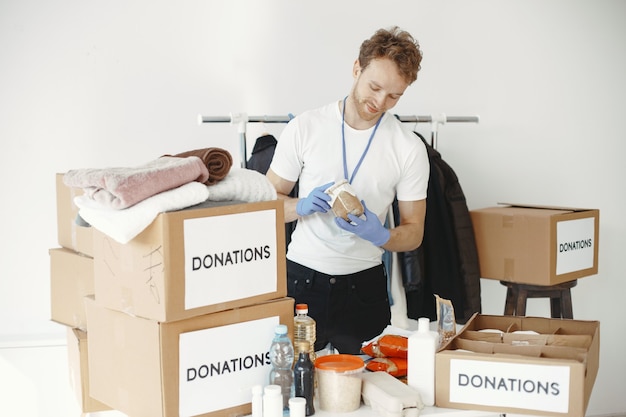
x=242 y=119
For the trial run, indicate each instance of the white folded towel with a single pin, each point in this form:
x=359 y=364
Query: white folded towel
x=244 y=185
x=123 y=225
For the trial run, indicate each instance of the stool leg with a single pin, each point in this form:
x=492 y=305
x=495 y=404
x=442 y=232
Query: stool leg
x=566 y=304
x=522 y=295
x=555 y=307
x=509 y=306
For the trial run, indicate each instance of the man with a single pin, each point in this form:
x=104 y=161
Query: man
x=333 y=265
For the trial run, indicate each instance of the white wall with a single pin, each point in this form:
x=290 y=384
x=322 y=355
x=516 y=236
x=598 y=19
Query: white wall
x=117 y=83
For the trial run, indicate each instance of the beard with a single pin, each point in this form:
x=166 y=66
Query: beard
x=363 y=107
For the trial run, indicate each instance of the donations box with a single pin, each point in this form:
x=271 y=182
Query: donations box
x=201 y=366
x=195 y=261
x=536 y=245
x=522 y=365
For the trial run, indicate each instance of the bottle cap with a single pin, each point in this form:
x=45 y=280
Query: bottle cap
x=281 y=329
x=272 y=389
x=423 y=324
x=297 y=407
x=302 y=308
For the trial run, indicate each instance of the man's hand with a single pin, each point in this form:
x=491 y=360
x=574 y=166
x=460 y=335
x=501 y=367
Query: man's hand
x=369 y=229
x=315 y=202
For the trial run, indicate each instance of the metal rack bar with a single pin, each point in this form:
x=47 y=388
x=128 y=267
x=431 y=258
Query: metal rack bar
x=242 y=119
x=285 y=119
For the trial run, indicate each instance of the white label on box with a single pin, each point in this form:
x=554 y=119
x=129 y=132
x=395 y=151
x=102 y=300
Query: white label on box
x=230 y=257
x=575 y=245
x=510 y=385
x=219 y=366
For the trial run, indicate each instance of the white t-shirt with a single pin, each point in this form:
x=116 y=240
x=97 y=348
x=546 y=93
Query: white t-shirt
x=310 y=149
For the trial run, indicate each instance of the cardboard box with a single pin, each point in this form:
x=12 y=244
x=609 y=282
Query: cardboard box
x=536 y=245
x=78 y=361
x=195 y=261
x=71 y=279
x=550 y=372
x=202 y=366
x=69 y=234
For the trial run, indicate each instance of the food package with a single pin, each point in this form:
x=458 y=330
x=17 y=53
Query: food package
x=344 y=200
x=397 y=367
x=388 y=345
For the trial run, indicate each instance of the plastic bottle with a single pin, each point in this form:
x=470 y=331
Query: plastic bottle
x=257 y=401
x=272 y=401
x=421 y=361
x=304 y=377
x=281 y=357
x=297 y=406
x=304 y=328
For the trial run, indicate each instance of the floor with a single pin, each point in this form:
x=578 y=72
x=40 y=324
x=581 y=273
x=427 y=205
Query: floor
x=34 y=382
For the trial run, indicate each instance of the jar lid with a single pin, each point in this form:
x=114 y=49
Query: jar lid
x=339 y=363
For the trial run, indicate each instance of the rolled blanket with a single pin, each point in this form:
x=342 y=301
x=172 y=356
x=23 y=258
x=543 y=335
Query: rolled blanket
x=120 y=188
x=217 y=160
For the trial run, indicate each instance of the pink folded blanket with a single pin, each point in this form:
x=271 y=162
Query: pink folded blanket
x=122 y=187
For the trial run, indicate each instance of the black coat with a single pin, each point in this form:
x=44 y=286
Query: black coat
x=446 y=263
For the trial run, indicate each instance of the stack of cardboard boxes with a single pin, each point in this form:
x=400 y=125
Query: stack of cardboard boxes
x=526 y=365
x=178 y=321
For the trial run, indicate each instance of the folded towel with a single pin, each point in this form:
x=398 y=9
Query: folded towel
x=121 y=188
x=124 y=225
x=217 y=160
x=243 y=184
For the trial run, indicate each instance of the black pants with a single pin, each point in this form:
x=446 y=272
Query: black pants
x=348 y=309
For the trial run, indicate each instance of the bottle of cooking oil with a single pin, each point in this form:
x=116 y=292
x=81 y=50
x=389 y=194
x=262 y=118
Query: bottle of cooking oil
x=304 y=328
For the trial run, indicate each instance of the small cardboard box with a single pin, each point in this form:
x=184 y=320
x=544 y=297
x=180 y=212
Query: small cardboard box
x=525 y=365
x=201 y=366
x=78 y=361
x=195 y=261
x=71 y=279
x=69 y=234
x=536 y=245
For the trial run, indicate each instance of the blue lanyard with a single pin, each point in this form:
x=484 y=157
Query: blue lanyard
x=343 y=140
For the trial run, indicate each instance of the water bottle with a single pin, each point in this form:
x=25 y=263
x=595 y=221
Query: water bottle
x=422 y=346
x=304 y=377
x=281 y=358
x=304 y=328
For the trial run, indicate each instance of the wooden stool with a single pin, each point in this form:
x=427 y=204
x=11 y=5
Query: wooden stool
x=559 y=294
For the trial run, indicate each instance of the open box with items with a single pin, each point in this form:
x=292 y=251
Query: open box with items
x=527 y=365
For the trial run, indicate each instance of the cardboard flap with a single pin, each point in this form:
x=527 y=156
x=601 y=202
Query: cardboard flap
x=486 y=336
x=532 y=351
x=543 y=206
x=474 y=346
x=577 y=341
x=524 y=339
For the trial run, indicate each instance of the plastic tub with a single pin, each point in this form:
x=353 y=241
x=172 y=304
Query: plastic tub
x=339 y=382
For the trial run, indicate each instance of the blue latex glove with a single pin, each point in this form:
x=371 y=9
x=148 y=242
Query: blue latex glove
x=315 y=202
x=369 y=229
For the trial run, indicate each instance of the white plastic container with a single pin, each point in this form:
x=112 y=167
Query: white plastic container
x=339 y=382
x=272 y=401
x=390 y=397
x=421 y=361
